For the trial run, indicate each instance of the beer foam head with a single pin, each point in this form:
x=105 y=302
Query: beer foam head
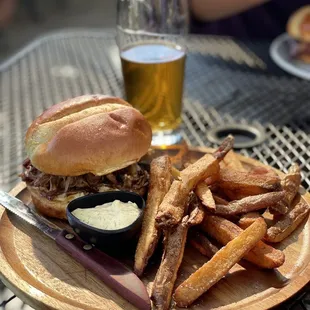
x=153 y=53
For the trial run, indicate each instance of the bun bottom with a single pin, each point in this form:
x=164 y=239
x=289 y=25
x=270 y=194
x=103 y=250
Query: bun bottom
x=57 y=207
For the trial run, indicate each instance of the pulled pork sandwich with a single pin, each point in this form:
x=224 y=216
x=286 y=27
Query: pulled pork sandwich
x=298 y=27
x=84 y=145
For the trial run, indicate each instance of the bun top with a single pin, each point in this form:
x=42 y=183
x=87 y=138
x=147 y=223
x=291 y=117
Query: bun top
x=298 y=25
x=89 y=134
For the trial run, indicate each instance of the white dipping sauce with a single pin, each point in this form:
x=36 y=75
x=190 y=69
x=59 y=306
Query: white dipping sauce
x=109 y=216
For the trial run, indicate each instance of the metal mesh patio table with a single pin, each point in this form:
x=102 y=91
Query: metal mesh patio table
x=227 y=82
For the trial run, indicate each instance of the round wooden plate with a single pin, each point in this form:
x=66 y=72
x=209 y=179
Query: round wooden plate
x=36 y=270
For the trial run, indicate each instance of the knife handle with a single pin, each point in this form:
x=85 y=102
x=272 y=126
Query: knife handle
x=113 y=273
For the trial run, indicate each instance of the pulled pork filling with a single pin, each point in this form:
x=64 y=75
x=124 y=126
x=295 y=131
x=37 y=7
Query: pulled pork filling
x=132 y=178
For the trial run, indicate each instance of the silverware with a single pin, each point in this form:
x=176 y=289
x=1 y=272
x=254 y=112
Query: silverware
x=113 y=273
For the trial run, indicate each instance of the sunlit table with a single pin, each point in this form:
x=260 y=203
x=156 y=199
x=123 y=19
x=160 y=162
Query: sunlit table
x=227 y=82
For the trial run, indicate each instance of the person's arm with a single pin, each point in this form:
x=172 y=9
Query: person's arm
x=7 y=9
x=210 y=10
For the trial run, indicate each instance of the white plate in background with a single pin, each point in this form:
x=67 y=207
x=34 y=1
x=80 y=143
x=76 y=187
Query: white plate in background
x=280 y=54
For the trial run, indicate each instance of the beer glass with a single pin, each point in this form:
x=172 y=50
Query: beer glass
x=151 y=36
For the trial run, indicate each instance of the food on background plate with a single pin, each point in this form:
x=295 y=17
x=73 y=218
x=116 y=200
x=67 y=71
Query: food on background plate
x=110 y=215
x=159 y=184
x=84 y=145
x=218 y=266
x=224 y=231
x=298 y=27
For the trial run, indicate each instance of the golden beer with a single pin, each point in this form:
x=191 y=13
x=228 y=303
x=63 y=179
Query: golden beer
x=153 y=75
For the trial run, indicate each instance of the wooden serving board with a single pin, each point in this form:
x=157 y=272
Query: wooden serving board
x=36 y=270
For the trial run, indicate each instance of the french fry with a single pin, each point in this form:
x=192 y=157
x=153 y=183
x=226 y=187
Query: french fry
x=173 y=205
x=201 y=243
x=224 y=231
x=206 y=166
x=211 y=181
x=250 y=203
x=287 y=223
x=205 y=195
x=218 y=266
x=224 y=148
x=248 y=219
x=290 y=185
x=160 y=181
x=178 y=159
x=221 y=184
x=174 y=244
x=172 y=208
x=196 y=210
x=262 y=170
x=171 y=261
x=175 y=173
x=291 y=182
x=231 y=161
x=237 y=194
x=279 y=208
x=249 y=183
x=219 y=200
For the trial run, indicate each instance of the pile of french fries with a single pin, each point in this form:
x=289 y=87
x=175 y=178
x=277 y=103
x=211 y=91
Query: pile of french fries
x=237 y=213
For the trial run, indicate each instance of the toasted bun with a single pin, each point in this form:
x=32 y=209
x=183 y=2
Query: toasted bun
x=88 y=134
x=295 y=22
x=52 y=208
x=56 y=207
